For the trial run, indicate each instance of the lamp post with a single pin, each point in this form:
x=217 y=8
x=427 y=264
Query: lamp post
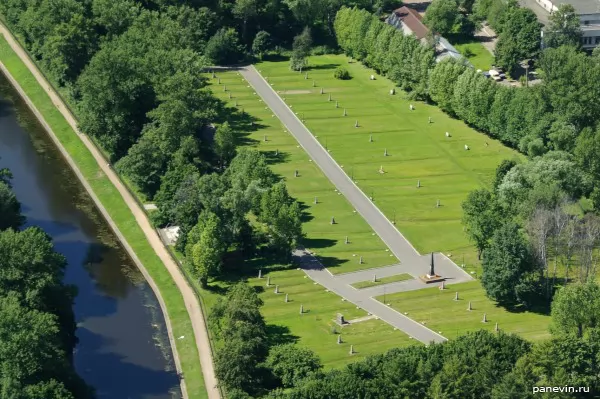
x=525 y=65
x=394 y=222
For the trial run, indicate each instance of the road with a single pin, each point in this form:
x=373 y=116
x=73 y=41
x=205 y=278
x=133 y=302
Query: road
x=190 y=300
x=410 y=260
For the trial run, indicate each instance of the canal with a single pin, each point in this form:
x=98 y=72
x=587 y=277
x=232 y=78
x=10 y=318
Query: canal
x=123 y=349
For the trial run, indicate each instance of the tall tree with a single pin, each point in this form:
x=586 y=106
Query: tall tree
x=207 y=253
x=224 y=144
x=291 y=363
x=564 y=28
x=443 y=17
x=507 y=266
x=224 y=48
x=301 y=50
x=519 y=38
x=482 y=216
x=576 y=309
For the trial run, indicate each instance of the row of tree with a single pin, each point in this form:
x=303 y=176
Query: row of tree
x=245 y=362
x=37 y=325
x=402 y=58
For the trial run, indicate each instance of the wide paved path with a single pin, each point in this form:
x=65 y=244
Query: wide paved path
x=191 y=302
x=410 y=260
x=395 y=241
x=313 y=268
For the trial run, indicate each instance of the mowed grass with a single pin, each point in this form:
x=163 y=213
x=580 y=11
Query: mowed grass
x=327 y=241
x=417 y=150
x=440 y=312
x=119 y=212
x=385 y=280
x=316 y=328
x=477 y=54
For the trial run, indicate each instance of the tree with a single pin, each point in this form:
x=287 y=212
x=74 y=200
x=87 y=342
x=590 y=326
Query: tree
x=238 y=322
x=564 y=28
x=207 y=253
x=10 y=209
x=69 y=48
x=143 y=164
x=33 y=271
x=291 y=363
x=576 y=309
x=115 y=16
x=223 y=48
x=301 y=50
x=519 y=38
x=505 y=166
x=482 y=215
x=442 y=82
x=507 y=266
x=224 y=144
x=444 y=17
x=261 y=44
x=245 y=10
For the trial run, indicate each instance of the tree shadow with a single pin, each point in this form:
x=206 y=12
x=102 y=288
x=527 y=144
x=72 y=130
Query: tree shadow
x=279 y=335
x=274 y=157
x=305 y=216
x=274 y=57
x=314 y=243
x=321 y=67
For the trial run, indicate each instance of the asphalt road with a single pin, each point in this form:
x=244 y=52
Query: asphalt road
x=410 y=259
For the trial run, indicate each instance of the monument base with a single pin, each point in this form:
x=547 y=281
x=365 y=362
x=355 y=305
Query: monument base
x=428 y=279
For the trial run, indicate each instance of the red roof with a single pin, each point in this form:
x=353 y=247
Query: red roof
x=412 y=20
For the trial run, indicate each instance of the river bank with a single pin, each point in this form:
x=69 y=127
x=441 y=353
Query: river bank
x=123 y=348
x=182 y=312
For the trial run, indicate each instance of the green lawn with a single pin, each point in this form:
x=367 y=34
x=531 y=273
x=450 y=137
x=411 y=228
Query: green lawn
x=417 y=150
x=477 y=55
x=314 y=328
x=119 y=212
x=325 y=239
x=440 y=312
x=385 y=280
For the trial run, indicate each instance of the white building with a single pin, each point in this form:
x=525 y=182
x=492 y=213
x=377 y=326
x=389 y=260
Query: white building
x=589 y=14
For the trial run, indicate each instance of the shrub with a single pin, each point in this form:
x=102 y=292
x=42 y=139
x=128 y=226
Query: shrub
x=341 y=73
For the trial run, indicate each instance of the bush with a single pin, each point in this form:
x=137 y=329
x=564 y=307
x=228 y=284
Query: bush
x=322 y=50
x=341 y=73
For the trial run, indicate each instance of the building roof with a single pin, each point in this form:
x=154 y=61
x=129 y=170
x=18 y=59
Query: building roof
x=412 y=20
x=581 y=6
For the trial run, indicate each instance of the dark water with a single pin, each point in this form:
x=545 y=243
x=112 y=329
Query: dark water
x=123 y=349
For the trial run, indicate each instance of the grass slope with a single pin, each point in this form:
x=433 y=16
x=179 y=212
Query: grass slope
x=442 y=313
x=121 y=215
x=385 y=280
x=417 y=150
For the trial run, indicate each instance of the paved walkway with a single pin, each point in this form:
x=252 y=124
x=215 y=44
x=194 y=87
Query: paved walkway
x=411 y=261
x=321 y=275
x=191 y=303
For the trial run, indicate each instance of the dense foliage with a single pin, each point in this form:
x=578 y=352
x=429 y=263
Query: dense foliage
x=37 y=325
x=477 y=365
